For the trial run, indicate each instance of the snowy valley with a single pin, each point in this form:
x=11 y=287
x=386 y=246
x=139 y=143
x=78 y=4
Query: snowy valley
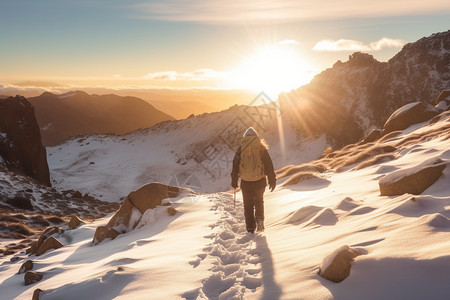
x=377 y=187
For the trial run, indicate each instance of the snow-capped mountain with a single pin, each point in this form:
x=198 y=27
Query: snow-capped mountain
x=353 y=97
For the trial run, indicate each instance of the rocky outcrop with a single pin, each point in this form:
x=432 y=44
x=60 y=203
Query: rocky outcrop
x=32 y=277
x=134 y=206
x=374 y=135
x=26 y=266
x=50 y=243
x=408 y=115
x=46 y=241
x=443 y=96
x=36 y=294
x=20 y=140
x=104 y=232
x=336 y=266
x=412 y=180
x=74 y=222
x=347 y=100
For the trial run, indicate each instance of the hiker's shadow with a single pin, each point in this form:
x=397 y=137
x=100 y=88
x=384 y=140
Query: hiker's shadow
x=271 y=289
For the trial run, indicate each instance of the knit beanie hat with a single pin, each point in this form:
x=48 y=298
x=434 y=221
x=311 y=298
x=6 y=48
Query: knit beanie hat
x=250 y=131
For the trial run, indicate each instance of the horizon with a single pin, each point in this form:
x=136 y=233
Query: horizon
x=272 y=47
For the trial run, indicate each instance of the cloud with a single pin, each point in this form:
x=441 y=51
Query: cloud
x=351 y=45
x=197 y=75
x=218 y=11
x=288 y=43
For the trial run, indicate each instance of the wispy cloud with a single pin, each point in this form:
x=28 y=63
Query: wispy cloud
x=197 y=75
x=352 y=45
x=218 y=11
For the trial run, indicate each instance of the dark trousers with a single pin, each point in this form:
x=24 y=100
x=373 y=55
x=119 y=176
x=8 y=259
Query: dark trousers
x=253 y=196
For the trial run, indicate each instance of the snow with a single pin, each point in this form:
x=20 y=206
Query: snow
x=397 y=175
x=204 y=251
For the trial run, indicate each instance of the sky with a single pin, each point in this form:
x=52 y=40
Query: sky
x=254 y=44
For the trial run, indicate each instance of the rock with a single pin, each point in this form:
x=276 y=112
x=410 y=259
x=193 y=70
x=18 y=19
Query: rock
x=20 y=144
x=413 y=180
x=146 y=197
x=445 y=94
x=47 y=233
x=20 y=202
x=33 y=248
x=151 y=195
x=36 y=294
x=26 y=266
x=104 y=232
x=74 y=222
x=408 y=115
x=50 y=243
x=374 y=135
x=336 y=266
x=171 y=211
x=32 y=277
x=442 y=115
x=122 y=217
x=134 y=206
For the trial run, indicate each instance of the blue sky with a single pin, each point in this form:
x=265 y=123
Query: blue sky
x=178 y=43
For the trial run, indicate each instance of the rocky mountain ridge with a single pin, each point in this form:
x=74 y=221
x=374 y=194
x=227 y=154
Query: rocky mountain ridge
x=353 y=97
x=78 y=113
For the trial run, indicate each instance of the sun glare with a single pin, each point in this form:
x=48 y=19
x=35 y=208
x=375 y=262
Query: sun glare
x=272 y=70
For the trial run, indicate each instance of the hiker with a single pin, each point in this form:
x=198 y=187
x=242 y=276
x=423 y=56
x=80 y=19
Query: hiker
x=252 y=164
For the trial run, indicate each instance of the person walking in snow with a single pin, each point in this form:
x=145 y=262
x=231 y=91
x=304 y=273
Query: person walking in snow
x=252 y=164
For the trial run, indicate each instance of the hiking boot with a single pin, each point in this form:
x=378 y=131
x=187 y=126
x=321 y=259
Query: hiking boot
x=251 y=230
x=260 y=226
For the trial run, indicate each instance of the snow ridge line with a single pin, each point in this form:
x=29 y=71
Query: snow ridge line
x=236 y=263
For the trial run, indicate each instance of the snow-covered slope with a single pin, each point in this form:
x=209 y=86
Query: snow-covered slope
x=204 y=252
x=200 y=148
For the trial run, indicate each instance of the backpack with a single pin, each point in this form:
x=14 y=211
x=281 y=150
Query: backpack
x=251 y=167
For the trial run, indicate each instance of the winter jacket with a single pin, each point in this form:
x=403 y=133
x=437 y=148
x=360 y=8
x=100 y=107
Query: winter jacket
x=267 y=163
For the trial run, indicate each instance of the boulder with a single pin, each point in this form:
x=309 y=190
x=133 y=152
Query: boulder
x=171 y=211
x=36 y=294
x=50 y=243
x=146 y=197
x=26 y=266
x=374 y=135
x=35 y=246
x=20 y=202
x=32 y=277
x=74 y=222
x=408 y=115
x=47 y=233
x=441 y=116
x=20 y=139
x=336 y=266
x=121 y=219
x=413 y=180
x=151 y=195
x=104 y=232
x=134 y=206
x=444 y=95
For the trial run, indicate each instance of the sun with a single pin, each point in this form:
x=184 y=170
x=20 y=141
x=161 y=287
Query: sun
x=272 y=70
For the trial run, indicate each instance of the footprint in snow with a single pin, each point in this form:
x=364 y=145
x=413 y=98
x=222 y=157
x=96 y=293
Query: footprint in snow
x=236 y=267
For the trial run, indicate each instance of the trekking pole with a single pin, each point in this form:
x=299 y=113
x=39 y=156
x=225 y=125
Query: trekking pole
x=234 y=202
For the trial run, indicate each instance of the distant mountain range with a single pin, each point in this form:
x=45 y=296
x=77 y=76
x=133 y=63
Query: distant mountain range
x=78 y=113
